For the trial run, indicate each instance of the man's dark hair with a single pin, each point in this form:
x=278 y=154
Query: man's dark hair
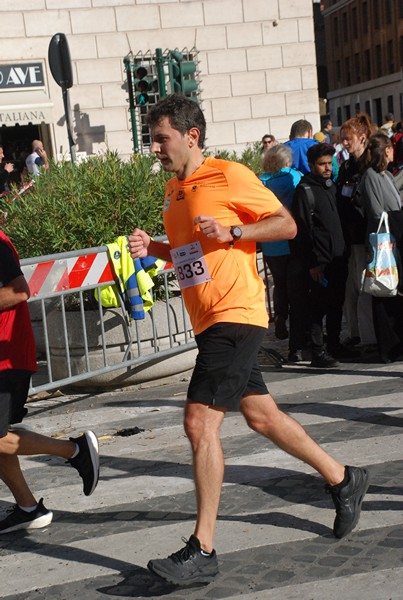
x=318 y=150
x=300 y=128
x=389 y=117
x=326 y=122
x=182 y=112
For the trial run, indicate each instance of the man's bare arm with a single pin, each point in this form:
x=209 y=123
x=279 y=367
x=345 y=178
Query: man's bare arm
x=279 y=226
x=14 y=292
x=141 y=245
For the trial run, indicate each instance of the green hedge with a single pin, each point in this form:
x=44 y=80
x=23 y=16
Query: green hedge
x=75 y=206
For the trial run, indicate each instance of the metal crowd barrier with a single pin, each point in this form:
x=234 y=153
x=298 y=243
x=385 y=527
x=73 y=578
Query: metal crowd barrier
x=64 y=343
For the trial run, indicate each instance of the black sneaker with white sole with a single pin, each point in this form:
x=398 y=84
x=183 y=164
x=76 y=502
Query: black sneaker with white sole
x=21 y=519
x=87 y=460
x=186 y=566
x=348 y=500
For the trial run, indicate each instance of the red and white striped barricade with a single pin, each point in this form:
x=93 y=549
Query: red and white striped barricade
x=51 y=275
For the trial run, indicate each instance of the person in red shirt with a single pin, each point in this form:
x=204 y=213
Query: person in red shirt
x=214 y=213
x=17 y=364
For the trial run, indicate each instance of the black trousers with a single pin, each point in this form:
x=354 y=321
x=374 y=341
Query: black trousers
x=278 y=266
x=298 y=282
x=312 y=305
x=327 y=305
x=388 y=324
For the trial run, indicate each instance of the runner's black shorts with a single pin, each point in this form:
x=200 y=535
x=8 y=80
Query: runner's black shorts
x=226 y=366
x=14 y=386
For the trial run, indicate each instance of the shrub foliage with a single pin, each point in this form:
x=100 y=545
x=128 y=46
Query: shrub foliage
x=87 y=205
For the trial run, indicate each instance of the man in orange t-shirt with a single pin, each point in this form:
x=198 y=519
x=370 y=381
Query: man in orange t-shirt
x=214 y=213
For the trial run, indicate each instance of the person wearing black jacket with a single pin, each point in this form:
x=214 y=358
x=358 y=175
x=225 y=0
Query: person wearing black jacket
x=318 y=254
x=5 y=169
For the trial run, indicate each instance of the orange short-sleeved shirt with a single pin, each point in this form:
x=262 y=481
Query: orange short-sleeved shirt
x=232 y=194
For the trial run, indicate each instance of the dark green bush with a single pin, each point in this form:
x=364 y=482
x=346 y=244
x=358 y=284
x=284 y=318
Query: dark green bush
x=75 y=206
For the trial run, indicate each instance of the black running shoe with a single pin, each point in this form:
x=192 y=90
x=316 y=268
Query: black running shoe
x=295 y=357
x=348 y=500
x=21 y=519
x=87 y=461
x=186 y=566
x=323 y=361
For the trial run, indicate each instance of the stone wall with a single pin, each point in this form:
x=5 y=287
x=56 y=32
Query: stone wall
x=257 y=62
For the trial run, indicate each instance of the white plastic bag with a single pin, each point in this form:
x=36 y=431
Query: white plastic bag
x=381 y=276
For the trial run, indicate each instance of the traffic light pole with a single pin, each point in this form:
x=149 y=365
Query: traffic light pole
x=69 y=124
x=159 y=61
x=132 y=103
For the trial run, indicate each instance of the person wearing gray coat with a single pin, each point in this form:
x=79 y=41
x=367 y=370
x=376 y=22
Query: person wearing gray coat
x=377 y=193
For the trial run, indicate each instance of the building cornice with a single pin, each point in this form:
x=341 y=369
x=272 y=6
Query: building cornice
x=336 y=7
x=367 y=85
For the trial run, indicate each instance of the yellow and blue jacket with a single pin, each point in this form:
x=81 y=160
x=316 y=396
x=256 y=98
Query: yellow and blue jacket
x=133 y=280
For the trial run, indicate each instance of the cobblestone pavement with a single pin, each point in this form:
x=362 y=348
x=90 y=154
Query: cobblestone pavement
x=274 y=538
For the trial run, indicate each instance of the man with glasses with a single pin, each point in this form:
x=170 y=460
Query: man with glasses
x=268 y=141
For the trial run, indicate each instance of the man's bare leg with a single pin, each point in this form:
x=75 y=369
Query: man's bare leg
x=202 y=426
x=24 y=442
x=28 y=443
x=11 y=474
x=263 y=416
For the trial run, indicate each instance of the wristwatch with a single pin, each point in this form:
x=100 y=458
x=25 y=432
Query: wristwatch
x=236 y=233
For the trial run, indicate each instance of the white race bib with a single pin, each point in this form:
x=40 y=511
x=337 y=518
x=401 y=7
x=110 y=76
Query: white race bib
x=190 y=265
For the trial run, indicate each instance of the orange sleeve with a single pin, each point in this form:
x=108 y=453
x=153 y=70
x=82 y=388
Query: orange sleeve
x=247 y=194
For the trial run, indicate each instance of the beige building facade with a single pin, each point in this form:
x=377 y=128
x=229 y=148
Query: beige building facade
x=256 y=60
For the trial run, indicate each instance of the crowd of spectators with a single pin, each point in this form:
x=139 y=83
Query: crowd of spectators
x=336 y=183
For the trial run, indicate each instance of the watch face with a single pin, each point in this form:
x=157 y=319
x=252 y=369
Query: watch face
x=236 y=232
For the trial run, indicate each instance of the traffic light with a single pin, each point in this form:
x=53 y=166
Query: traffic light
x=145 y=85
x=182 y=74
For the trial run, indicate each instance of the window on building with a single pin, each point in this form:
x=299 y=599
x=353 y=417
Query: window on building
x=364 y=13
x=390 y=57
x=378 y=111
x=347 y=112
x=336 y=31
x=378 y=60
x=357 y=108
x=357 y=68
x=354 y=22
x=401 y=9
x=376 y=14
x=345 y=27
x=367 y=65
x=390 y=104
x=401 y=49
x=388 y=11
x=339 y=117
x=347 y=70
x=338 y=73
x=368 y=107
